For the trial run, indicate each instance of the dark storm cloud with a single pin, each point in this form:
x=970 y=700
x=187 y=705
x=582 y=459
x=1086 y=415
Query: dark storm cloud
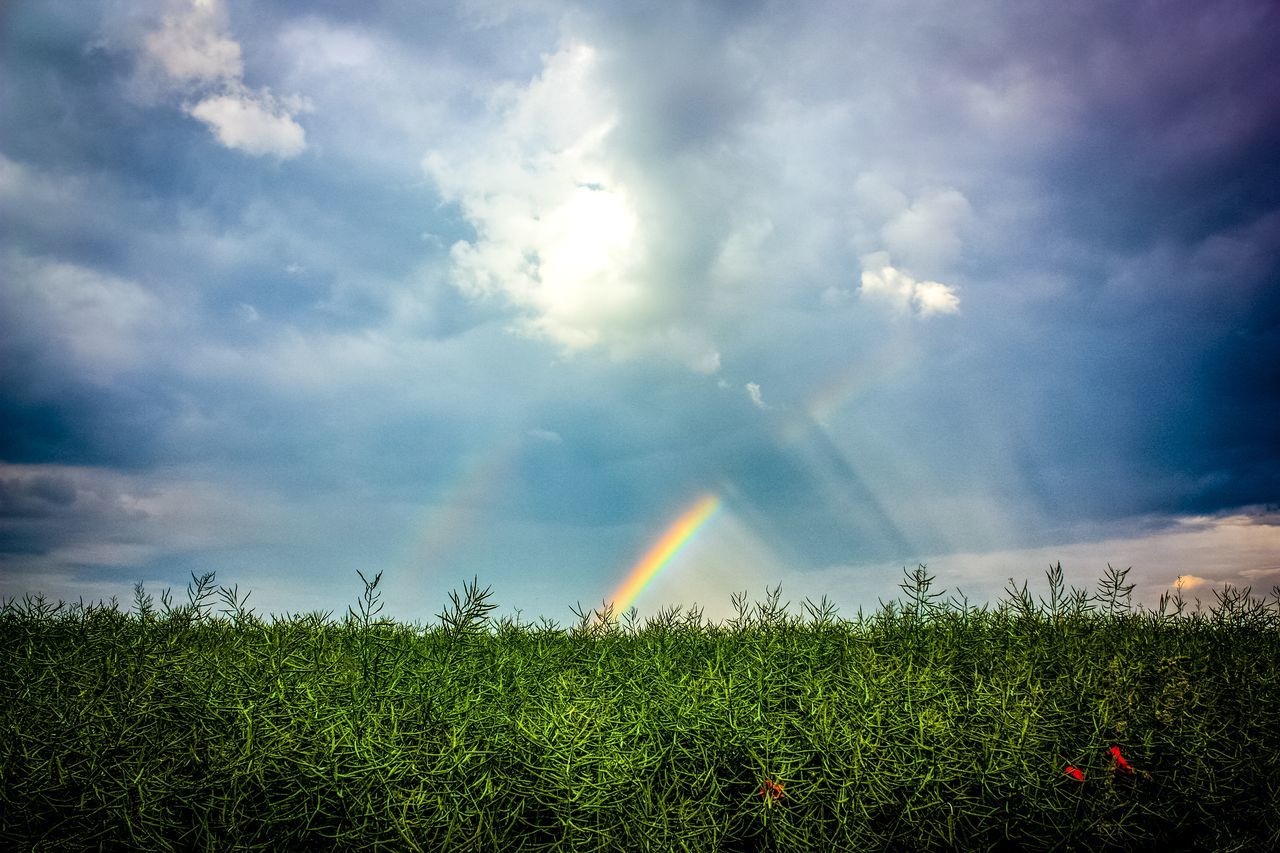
x=44 y=508
x=1176 y=121
x=35 y=497
x=70 y=426
x=1158 y=202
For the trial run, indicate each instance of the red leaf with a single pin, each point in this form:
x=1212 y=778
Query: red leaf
x=1120 y=763
x=1075 y=773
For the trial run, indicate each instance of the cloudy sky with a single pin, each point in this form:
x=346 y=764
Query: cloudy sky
x=501 y=289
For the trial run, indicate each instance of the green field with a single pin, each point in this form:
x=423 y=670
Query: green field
x=927 y=725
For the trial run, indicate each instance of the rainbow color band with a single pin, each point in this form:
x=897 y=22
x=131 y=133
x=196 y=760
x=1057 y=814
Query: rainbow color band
x=679 y=534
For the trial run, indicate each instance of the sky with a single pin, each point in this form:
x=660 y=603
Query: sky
x=504 y=289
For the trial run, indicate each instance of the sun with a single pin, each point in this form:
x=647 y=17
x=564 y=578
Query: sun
x=586 y=259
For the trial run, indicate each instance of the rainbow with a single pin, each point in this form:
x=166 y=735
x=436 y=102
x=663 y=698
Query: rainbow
x=870 y=371
x=459 y=507
x=679 y=534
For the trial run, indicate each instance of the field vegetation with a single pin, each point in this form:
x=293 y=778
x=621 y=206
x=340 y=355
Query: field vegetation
x=1068 y=721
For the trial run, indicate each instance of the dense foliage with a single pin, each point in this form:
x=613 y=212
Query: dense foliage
x=1068 y=722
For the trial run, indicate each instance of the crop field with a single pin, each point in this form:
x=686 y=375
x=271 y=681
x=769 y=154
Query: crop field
x=1064 y=721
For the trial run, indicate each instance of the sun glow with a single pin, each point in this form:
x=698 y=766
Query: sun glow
x=584 y=254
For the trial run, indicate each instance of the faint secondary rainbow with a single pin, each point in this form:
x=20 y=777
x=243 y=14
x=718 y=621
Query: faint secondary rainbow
x=679 y=534
x=457 y=509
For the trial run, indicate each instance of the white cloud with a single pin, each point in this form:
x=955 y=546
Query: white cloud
x=192 y=43
x=882 y=282
x=753 y=391
x=557 y=213
x=933 y=297
x=557 y=231
x=196 y=52
x=253 y=122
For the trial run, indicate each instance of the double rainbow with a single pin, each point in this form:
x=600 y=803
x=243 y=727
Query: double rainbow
x=678 y=535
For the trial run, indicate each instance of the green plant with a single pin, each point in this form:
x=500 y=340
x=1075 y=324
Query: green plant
x=926 y=725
